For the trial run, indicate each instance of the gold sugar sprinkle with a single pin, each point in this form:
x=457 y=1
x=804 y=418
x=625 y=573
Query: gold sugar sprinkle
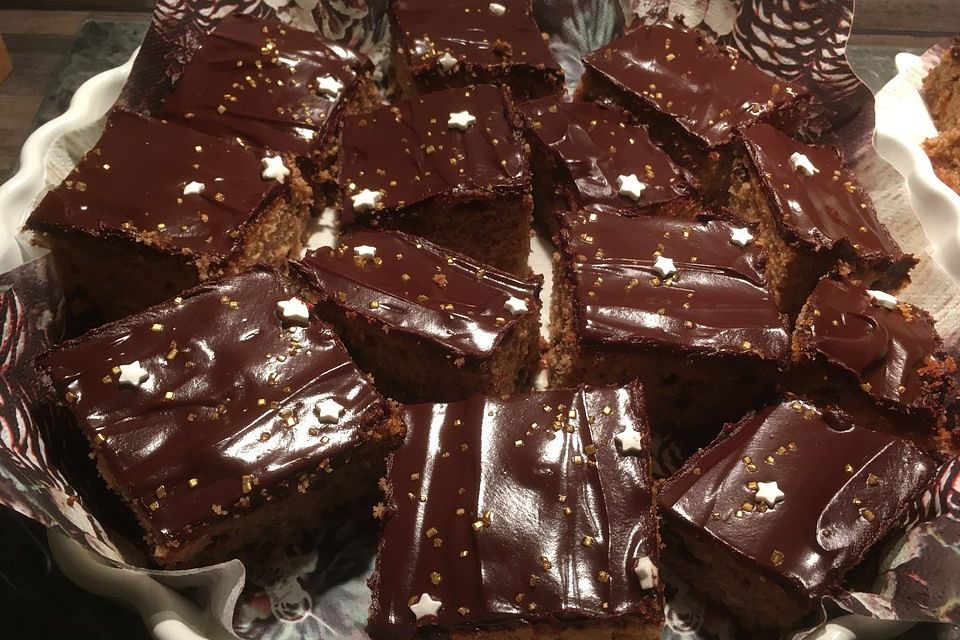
x=156 y=327
x=776 y=558
x=193 y=482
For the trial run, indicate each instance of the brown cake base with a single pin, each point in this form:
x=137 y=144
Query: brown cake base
x=322 y=170
x=690 y=556
x=339 y=488
x=495 y=229
x=106 y=278
x=410 y=370
x=691 y=392
x=625 y=628
x=944 y=154
x=794 y=270
x=941 y=89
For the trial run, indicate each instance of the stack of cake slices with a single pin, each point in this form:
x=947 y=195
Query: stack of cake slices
x=716 y=281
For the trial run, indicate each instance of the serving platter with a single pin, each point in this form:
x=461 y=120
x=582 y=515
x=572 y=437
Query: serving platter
x=48 y=154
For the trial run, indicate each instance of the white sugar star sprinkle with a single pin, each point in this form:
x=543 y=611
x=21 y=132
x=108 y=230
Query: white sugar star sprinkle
x=515 y=306
x=425 y=606
x=647 y=573
x=497 y=9
x=769 y=492
x=365 y=251
x=630 y=186
x=629 y=441
x=193 y=188
x=132 y=375
x=329 y=411
x=882 y=299
x=801 y=163
x=462 y=120
x=273 y=168
x=447 y=61
x=366 y=200
x=294 y=310
x=329 y=86
x=664 y=267
x=741 y=236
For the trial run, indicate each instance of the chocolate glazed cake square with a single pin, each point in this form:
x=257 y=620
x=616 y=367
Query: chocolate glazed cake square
x=588 y=157
x=154 y=208
x=519 y=517
x=773 y=514
x=814 y=218
x=879 y=359
x=448 y=166
x=430 y=325
x=268 y=85
x=680 y=305
x=695 y=97
x=225 y=412
x=457 y=43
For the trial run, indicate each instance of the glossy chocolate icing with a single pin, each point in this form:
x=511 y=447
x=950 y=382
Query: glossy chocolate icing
x=885 y=350
x=409 y=154
x=471 y=33
x=819 y=210
x=131 y=186
x=255 y=81
x=710 y=91
x=593 y=145
x=240 y=424
x=554 y=516
x=421 y=289
x=844 y=488
x=718 y=301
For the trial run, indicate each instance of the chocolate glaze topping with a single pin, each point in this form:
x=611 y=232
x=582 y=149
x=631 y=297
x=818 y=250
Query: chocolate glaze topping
x=470 y=32
x=517 y=510
x=256 y=81
x=710 y=91
x=822 y=209
x=227 y=415
x=885 y=350
x=409 y=154
x=419 y=288
x=594 y=145
x=131 y=186
x=717 y=300
x=844 y=488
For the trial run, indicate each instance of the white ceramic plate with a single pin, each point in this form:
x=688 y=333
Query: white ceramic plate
x=168 y=615
x=903 y=123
